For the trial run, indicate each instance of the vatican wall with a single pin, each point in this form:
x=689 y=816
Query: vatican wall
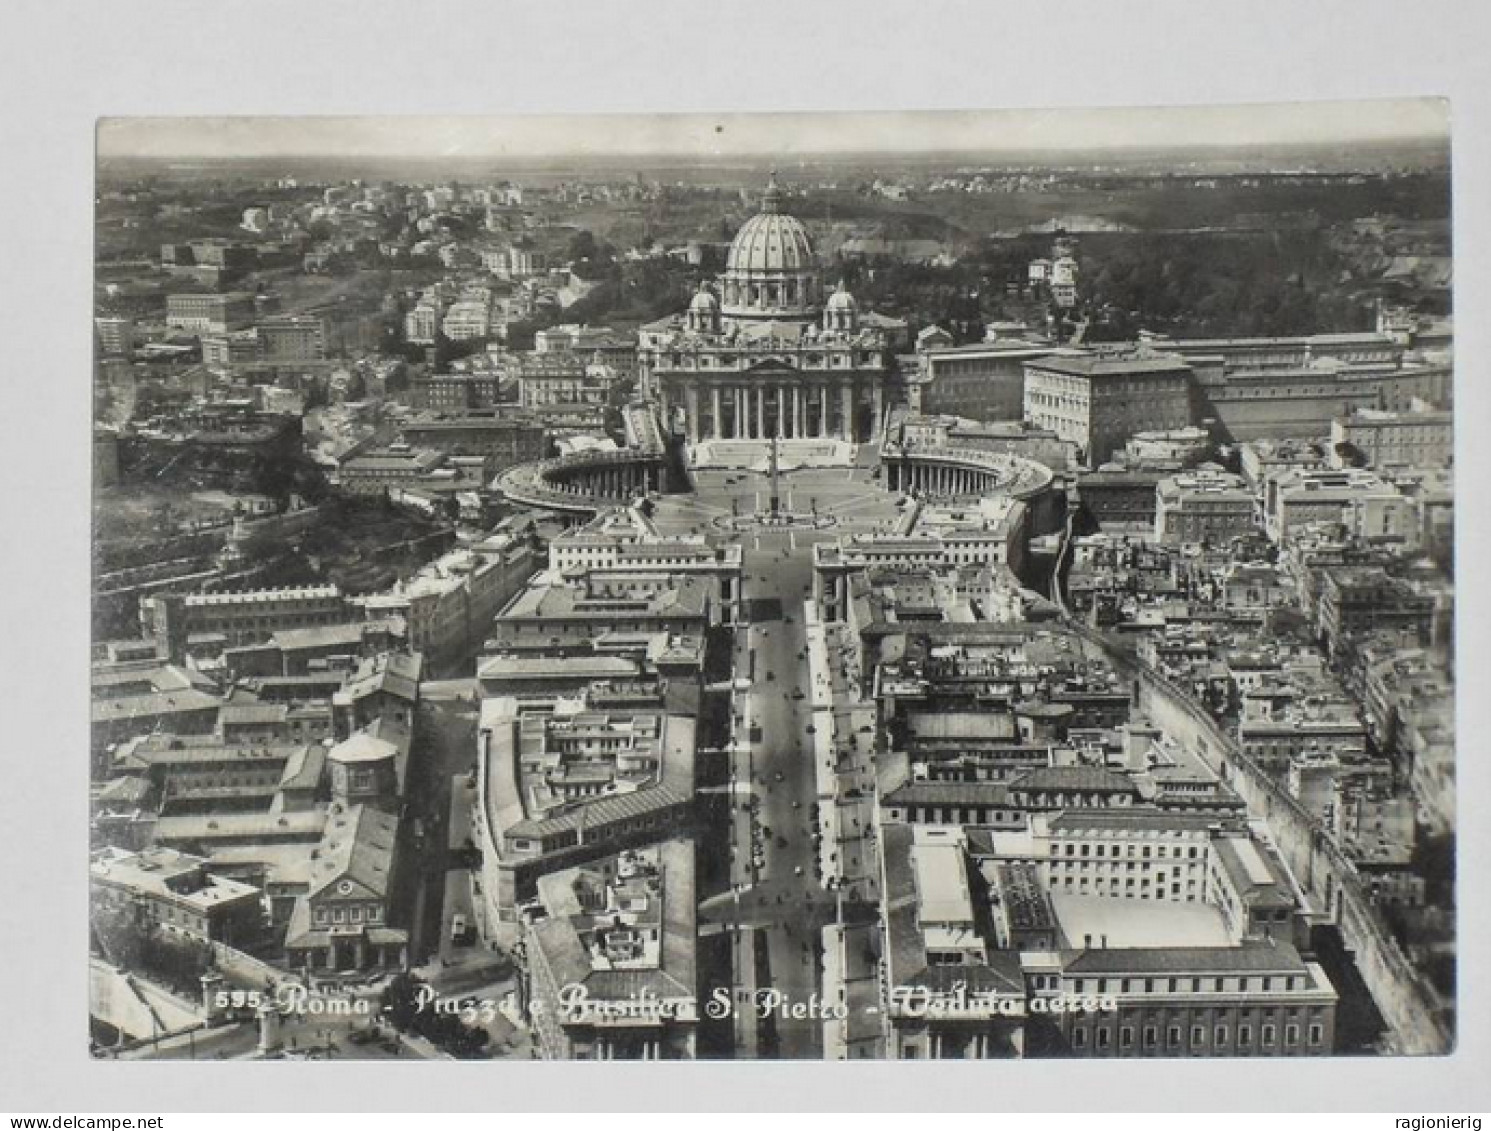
x=1400 y=994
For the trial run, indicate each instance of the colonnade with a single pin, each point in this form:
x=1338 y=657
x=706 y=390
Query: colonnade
x=622 y=479
x=763 y=411
x=934 y=478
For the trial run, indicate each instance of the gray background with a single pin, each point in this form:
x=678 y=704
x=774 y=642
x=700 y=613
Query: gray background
x=63 y=67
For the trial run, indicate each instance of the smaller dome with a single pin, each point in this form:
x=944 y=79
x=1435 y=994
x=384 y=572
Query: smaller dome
x=704 y=300
x=841 y=299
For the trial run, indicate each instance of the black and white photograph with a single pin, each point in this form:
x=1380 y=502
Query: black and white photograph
x=604 y=594
x=911 y=556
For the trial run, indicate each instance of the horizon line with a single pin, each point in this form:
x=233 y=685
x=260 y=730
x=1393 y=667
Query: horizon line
x=786 y=136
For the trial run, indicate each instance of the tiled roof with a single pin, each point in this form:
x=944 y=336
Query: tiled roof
x=358 y=844
x=1266 y=958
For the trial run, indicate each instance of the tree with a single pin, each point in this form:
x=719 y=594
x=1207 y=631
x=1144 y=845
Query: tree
x=582 y=245
x=401 y=1005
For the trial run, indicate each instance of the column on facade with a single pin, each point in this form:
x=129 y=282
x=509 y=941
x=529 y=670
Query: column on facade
x=737 y=425
x=823 y=410
x=714 y=404
x=846 y=407
x=693 y=431
x=784 y=402
x=877 y=424
x=760 y=414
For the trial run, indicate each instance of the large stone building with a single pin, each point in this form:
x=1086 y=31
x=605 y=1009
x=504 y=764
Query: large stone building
x=983 y=381
x=771 y=355
x=292 y=339
x=209 y=313
x=504 y=436
x=175 y=894
x=612 y=958
x=1394 y=439
x=1204 y=505
x=1099 y=401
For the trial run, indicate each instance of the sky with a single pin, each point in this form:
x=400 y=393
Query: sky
x=697 y=135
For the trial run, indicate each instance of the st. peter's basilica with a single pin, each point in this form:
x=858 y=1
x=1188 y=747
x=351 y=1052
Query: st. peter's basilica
x=766 y=353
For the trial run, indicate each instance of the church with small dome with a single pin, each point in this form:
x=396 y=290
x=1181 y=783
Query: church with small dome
x=764 y=353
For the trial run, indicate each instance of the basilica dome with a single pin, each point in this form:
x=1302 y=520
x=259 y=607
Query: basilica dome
x=771 y=271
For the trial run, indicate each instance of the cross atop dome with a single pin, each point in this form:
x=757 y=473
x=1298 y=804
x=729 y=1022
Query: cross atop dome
x=771 y=200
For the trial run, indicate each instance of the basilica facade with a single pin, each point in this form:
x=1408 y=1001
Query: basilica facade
x=768 y=352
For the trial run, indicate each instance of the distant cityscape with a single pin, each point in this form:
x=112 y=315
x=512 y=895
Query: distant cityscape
x=871 y=609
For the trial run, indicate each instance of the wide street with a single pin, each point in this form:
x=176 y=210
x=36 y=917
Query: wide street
x=773 y=841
